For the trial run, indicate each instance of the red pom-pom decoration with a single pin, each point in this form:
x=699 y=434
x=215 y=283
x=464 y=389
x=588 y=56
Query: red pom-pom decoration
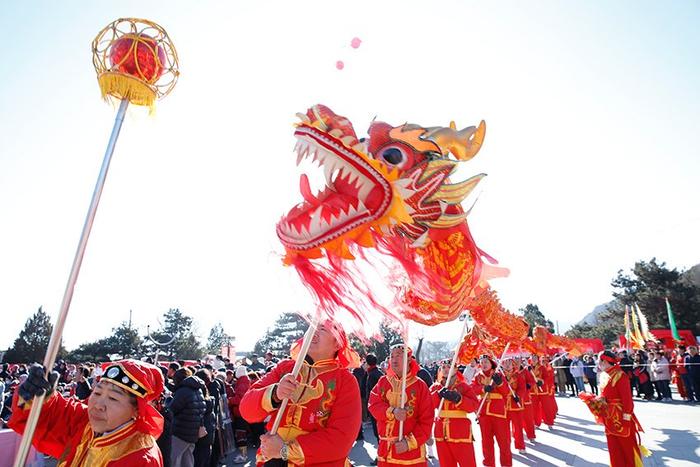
x=138 y=55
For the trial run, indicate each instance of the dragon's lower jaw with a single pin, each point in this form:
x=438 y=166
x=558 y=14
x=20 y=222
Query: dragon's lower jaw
x=355 y=194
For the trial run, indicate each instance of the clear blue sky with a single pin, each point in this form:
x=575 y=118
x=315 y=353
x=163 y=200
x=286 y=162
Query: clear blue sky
x=592 y=108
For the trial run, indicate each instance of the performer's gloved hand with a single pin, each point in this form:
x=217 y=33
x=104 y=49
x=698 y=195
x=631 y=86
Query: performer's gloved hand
x=516 y=399
x=452 y=396
x=401 y=446
x=488 y=388
x=36 y=383
x=540 y=383
x=497 y=379
x=400 y=414
x=528 y=386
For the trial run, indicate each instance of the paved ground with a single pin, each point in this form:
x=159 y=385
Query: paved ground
x=672 y=433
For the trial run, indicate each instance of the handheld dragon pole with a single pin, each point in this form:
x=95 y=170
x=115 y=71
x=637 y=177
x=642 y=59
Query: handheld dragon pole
x=481 y=406
x=453 y=365
x=56 y=335
x=403 y=383
x=297 y=367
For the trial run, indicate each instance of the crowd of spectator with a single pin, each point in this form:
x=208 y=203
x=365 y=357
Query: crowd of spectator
x=200 y=403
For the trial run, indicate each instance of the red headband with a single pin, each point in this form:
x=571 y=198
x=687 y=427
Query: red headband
x=609 y=359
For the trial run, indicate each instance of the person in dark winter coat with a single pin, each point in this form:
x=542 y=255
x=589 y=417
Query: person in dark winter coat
x=188 y=408
x=371 y=378
x=202 y=448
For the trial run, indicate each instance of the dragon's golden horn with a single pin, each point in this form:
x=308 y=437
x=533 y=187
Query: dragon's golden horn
x=457 y=192
x=447 y=220
x=463 y=144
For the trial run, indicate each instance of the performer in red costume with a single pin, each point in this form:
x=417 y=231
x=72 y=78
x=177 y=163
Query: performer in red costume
x=417 y=415
x=546 y=409
x=528 y=416
x=117 y=428
x=453 y=429
x=324 y=413
x=621 y=425
x=493 y=420
x=514 y=405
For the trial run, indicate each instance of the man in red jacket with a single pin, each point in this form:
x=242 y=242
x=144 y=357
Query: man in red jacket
x=621 y=425
x=322 y=419
x=528 y=413
x=417 y=414
x=453 y=429
x=493 y=420
x=515 y=407
x=117 y=428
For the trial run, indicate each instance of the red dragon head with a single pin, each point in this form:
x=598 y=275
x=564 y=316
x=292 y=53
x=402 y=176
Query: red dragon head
x=394 y=183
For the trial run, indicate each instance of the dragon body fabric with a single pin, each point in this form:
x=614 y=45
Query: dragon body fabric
x=391 y=193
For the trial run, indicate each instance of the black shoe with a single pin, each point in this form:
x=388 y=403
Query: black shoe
x=374 y=462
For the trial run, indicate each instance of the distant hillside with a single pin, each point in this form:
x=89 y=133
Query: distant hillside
x=692 y=275
x=592 y=317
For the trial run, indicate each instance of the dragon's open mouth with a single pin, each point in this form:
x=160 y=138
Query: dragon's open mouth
x=355 y=193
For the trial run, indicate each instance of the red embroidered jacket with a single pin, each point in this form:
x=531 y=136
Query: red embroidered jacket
x=322 y=418
x=64 y=432
x=496 y=400
x=386 y=396
x=619 y=418
x=452 y=423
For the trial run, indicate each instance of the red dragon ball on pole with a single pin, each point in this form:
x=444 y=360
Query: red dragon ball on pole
x=391 y=193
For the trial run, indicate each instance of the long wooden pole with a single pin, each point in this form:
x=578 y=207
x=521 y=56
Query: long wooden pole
x=403 y=382
x=297 y=368
x=453 y=365
x=57 y=334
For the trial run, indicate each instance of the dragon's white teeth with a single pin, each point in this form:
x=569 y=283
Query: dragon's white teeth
x=336 y=133
x=364 y=190
x=328 y=172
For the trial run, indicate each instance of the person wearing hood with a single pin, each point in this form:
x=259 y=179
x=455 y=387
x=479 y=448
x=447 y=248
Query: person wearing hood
x=188 y=407
x=117 y=427
x=321 y=421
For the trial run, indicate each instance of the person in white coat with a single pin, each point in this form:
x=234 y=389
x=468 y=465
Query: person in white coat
x=661 y=376
x=576 y=369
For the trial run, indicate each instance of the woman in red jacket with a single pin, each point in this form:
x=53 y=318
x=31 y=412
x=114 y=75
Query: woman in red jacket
x=453 y=429
x=117 y=428
x=493 y=420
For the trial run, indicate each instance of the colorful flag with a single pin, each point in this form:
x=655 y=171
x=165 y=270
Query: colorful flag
x=637 y=338
x=628 y=333
x=672 y=322
x=644 y=326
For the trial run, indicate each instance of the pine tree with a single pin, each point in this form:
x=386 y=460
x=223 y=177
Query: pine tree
x=33 y=340
x=278 y=339
x=217 y=339
x=185 y=346
x=534 y=317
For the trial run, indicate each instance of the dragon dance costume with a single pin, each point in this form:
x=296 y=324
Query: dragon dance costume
x=621 y=425
x=324 y=414
x=515 y=410
x=386 y=397
x=453 y=429
x=544 y=403
x=493 y=420
x=64 y=431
